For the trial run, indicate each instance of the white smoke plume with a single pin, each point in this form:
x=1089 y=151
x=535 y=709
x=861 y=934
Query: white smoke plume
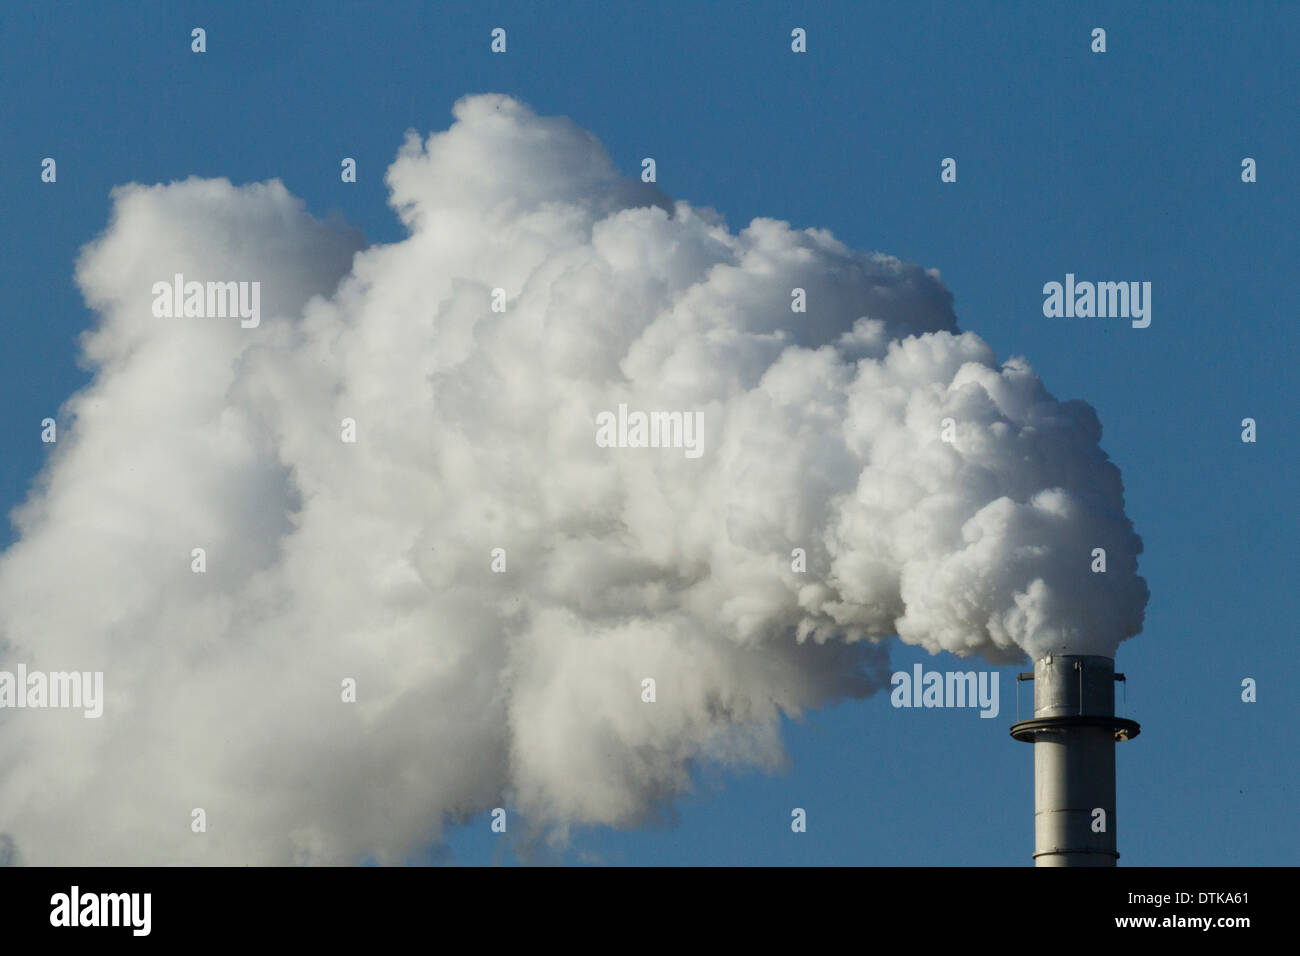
x=475 y=430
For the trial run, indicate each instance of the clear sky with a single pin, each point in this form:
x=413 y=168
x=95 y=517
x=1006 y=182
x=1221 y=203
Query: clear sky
x=1123 y=165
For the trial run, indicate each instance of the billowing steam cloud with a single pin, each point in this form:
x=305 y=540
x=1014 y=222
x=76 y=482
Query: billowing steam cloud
x=475 y=430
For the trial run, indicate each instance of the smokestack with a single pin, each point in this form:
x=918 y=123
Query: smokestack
x=1074 y=731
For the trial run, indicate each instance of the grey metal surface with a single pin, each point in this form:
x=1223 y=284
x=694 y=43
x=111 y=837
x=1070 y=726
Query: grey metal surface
x=1074 y=761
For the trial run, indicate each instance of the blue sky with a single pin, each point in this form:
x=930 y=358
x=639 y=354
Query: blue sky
x=1124 y=165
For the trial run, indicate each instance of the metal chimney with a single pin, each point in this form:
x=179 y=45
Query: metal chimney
x=1074 y=731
